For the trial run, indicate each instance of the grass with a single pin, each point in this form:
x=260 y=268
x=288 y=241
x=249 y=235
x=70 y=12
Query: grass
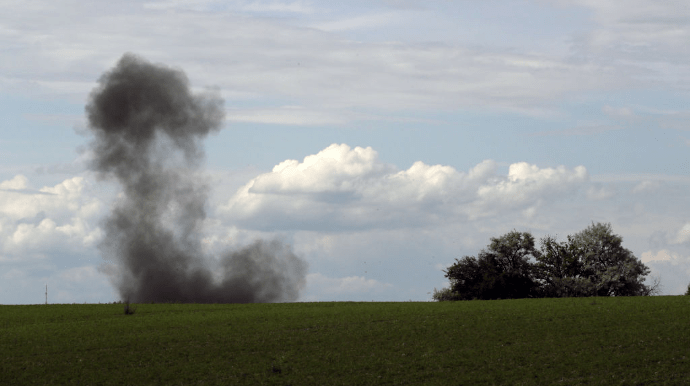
x=576 y=341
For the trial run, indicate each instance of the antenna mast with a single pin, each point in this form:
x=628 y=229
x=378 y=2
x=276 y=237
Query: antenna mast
x=46 y=293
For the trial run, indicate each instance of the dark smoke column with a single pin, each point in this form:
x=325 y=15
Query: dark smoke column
x=148 y=127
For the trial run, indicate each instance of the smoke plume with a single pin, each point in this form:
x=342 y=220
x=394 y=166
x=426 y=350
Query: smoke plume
x=148 y=127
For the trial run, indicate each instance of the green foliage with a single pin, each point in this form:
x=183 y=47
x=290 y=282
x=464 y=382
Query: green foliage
x=502 y=271
x=465 y=280
x=444 y=294
x=687 y=293
x=591 y=263
x=611 y=269
x=615 y=341
x=558 y=268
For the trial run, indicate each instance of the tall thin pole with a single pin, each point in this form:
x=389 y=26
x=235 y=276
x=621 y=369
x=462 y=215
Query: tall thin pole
x=46 y=293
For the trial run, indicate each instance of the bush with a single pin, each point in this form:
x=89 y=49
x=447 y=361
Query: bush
x=445 y=294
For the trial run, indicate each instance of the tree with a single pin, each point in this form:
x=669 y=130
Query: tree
x=611 y=269
x=558 y=270
x=502 y=271
x=591 y=263
x=465 y=278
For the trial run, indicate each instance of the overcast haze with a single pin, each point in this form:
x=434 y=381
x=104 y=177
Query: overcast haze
x=379 y=139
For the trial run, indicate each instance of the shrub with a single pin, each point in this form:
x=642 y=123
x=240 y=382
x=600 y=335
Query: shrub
x=444 y=294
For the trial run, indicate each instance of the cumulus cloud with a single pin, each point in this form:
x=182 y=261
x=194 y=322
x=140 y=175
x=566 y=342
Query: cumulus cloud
x=17 y=201
x=338 y=168
x=19 y=182
x=345 y=188
x=526 y=182
x=40 y=220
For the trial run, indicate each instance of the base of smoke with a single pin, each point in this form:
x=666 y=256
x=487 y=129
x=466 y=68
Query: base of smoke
x=262 y=272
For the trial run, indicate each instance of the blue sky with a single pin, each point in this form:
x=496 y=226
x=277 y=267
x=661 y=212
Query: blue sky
x=381 y=139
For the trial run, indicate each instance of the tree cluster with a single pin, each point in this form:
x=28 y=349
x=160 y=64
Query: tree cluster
x=591 y=263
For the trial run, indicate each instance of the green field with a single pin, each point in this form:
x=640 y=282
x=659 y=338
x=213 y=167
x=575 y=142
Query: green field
x=588 y=341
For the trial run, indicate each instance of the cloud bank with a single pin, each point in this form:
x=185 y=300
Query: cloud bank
x=343 y=188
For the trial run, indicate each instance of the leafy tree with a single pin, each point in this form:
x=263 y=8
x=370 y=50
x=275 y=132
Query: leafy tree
x=591 y=263
x=558 y=270
x=611 y=269
x=511 y=257
x=465 y=278
x=687 y=293
x=502 y=271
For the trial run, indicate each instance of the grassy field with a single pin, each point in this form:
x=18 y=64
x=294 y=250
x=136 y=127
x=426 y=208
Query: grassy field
x=588 y=341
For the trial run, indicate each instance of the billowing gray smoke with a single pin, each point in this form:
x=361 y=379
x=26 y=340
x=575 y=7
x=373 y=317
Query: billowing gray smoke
x=148 y=127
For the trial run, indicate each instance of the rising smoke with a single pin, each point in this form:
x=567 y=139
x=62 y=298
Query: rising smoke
x=148 y=127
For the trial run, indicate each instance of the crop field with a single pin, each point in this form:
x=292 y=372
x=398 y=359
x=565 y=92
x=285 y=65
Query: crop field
x=574 y=341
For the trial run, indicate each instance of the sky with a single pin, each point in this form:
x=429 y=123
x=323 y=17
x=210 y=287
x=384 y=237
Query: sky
x=380 y=139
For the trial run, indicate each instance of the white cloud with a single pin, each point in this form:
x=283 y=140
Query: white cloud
x=48 y=233
x=334 y=169
x=35 y=222
x=662 y=255
x=66 y=197
x=527 y=185
x=17 y=183
x=344 y=187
